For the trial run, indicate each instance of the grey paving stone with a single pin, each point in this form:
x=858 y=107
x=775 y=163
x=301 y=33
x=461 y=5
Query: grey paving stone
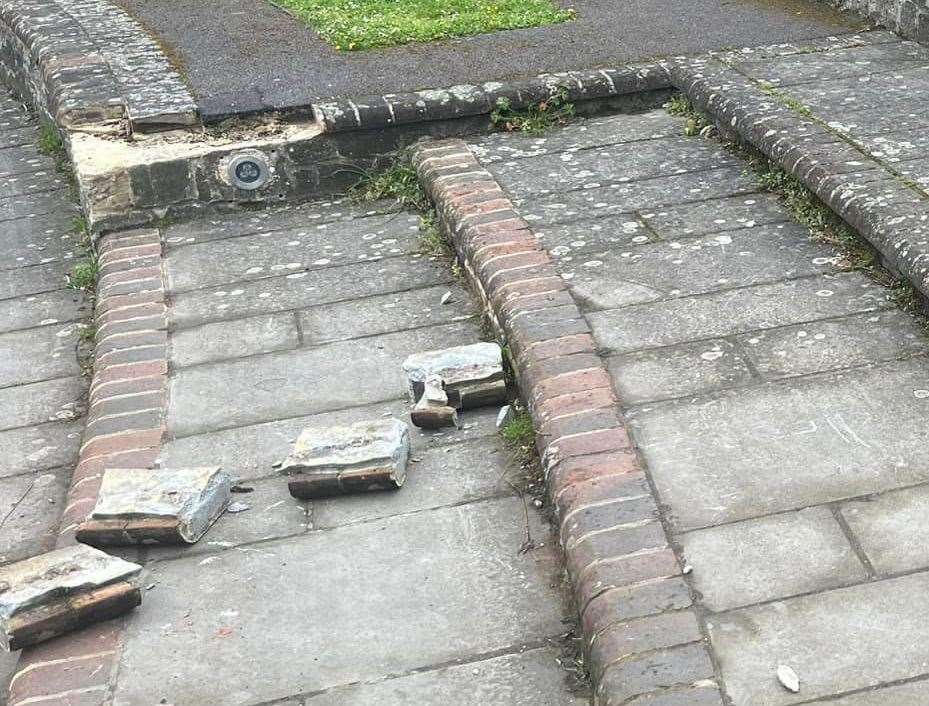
x=874 y=121
x=39 y=447
x=236 y=338
x=599 y=166
x=610 y=278
x=27 y=183
x=33 y=241
x=251 y=451
x=716 y=215
x=436 y=477
x=744 y=453
x=30 y=506
x=865 y=92
x=39 y=354
x=616 y=230
x=627 y=197
x=24 y=405
x=896 y=147
x=300 y=290
x=455 y=586
x=272 y=513
x=770 y=557
x=301 y=218
x=530 y=678
x=385 y=313
x=688 y=369
x=818 y=346
x=60 y=306
x=253 y=257
x=33 y=279
x=916 y=171
x=595 y=132
x=891 y=529
x=735 y=311
x=296 y=383
x=25 y=159
x=836 y=64
x=837 y=641
x=32 y=205
x=912 y=694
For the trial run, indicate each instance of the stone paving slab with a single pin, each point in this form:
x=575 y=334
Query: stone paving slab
x=599 y=166
x=330 y=589
x=298 y=291
x=786 y=445
x=34 y=241
x=625 y=198
x=251 y=257
x=202 y=397
x=36 y=310
x=39 y=354
x=524 y=679
x=735 y=311
x=837 y=641
x=31 y=505
x=890 y=530
x=771 y=557
x=596 y=132
x=44 y=401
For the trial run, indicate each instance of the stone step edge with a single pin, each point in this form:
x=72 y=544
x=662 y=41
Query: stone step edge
x=124 y=427
x=581 y=87
x=52 y=61
x=887 y=211
x=640 y=630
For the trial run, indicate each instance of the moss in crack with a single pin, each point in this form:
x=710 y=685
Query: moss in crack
x=695 y=122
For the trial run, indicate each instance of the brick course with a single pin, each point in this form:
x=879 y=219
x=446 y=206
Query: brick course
x=125 y=426
x=641 y=635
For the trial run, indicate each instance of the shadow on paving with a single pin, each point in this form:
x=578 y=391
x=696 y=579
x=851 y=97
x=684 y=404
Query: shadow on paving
x=257 y=57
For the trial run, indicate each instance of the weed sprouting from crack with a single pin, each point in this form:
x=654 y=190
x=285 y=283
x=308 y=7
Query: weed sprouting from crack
x=432 y=240
x=695 y=122
x=399 y=183
x=536 y=118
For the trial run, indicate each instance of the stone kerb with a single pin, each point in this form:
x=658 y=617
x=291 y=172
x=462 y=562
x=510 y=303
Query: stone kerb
x=640 y=630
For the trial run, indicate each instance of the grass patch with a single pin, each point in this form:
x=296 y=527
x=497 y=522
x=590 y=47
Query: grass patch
x=519 y=431
x=399 y=183
x=432 y=240
x=50 y=142
x=366 y=24
x=84 y=274
x=535 y=119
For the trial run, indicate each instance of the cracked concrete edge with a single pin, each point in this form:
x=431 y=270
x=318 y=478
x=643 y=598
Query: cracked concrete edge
x=641 y=632
x=888 y=211
x=124 y=428
x=88 y=64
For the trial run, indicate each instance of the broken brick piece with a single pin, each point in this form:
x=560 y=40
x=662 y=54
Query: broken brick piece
x=433 y=411
x=348 y=459
x=63 y=590
x=156 y=506
x=473 y=374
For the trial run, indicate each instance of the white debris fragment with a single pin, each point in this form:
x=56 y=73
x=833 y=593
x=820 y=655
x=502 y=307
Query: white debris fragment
x=788 y=678
x=505 y=416
x=238 y=507
x=446 y=298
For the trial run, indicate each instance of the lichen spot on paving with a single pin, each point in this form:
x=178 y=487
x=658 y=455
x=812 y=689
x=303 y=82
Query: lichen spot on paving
x=366 y=24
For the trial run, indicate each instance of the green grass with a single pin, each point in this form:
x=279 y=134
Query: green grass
x=536 y=118
x=365 y=24
x=84 y=274
x=399 y=182
x=50 y=142
x=519 y=430
x=695 y=121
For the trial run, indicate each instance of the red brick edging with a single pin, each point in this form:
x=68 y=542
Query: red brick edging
x=641 y=632
x=124 y=428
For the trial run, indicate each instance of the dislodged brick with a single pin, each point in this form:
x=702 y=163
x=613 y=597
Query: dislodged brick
x=432 y=411
x=156 y=506
x=53 y=593
x=473 y=374
x=345 y=459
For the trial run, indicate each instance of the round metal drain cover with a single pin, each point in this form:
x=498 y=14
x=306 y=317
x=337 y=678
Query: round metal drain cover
x=248 y=171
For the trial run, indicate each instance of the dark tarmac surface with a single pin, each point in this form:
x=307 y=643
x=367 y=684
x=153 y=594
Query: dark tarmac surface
x=246 y=55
